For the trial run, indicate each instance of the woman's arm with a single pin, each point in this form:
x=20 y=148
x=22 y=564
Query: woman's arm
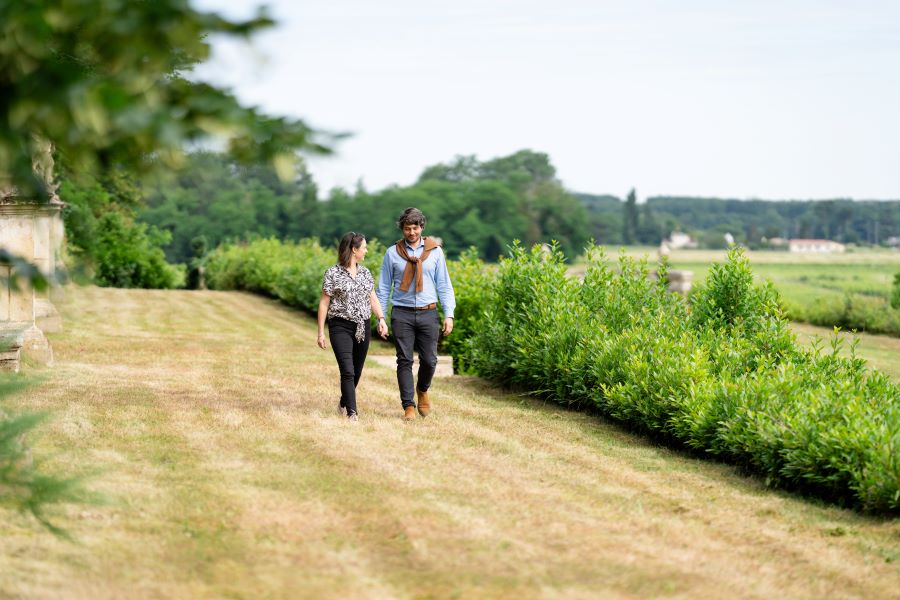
x=324 y=303
x=376 y=308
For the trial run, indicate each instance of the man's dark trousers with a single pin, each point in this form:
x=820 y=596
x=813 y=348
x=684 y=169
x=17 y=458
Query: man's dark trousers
x=415 y=330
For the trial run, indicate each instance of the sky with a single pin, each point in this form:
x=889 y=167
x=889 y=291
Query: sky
x=786 y=99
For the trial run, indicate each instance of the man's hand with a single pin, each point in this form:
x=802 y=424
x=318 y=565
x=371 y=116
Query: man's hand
x=382 y=329
x=448 y=326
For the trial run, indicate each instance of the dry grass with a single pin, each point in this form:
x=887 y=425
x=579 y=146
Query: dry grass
x=855 y=256
x=211 y=420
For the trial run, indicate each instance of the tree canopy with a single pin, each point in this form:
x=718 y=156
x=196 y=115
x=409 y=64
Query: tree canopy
x=105 y=81
x=467 y=202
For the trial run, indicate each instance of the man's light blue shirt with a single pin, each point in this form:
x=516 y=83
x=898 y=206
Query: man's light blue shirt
x=435 y=280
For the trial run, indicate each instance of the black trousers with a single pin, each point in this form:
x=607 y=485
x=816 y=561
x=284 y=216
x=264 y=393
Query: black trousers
x=350 y=355
x=415 y=331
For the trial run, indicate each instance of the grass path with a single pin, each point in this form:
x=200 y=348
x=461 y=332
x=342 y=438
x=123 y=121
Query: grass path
x=210 y=419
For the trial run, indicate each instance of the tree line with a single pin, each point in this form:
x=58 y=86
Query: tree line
x=469 y=203
x=131 y=231
x=752 y=223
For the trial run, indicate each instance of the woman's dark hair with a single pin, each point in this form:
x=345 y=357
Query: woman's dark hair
x=411 y=216
x=350 y=242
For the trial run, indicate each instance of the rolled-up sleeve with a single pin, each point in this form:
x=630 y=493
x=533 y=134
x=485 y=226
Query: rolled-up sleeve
x=385 y=281
x=443 y=285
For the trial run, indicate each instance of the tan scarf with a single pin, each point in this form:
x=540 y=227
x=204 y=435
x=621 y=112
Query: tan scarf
x=414 y=263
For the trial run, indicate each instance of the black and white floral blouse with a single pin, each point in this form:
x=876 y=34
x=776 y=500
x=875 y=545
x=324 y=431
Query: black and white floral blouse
x=350 y=298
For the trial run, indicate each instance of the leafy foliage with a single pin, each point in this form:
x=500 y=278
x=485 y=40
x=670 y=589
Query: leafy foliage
x=468 y=204
x=895 y=292
x=129 y=255
x=850 y=311
x=217 y=198
x=104 y=236
x=722 y=375
x=289 y=271
x=103 y=80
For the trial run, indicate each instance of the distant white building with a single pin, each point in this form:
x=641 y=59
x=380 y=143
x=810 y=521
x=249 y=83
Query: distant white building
x=815 y=246
x=678 y=240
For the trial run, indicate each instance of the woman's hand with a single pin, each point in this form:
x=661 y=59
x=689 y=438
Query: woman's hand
x=382 y=328
x=321 y=341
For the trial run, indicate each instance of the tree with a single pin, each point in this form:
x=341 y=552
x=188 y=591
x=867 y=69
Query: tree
x=649 y=230
x=462 y=168
x=630 y=219
x=104 y=81
x=521 y=171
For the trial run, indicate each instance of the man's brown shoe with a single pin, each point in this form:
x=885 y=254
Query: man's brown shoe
x=424 y=404
x=409 y=413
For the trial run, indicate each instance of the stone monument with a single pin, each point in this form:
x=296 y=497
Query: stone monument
x=31 y=229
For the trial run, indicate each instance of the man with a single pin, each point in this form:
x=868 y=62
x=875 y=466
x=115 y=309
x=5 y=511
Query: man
x=414 y=278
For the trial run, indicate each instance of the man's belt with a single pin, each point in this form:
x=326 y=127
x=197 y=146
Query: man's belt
x=431 y=306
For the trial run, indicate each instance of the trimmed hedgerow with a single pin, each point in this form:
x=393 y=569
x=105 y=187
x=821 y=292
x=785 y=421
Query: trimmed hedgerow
x=289 y=271
x=722 y=375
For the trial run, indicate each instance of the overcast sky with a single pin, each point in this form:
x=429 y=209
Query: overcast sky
x=751 y=98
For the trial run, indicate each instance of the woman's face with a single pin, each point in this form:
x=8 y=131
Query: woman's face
x=360 y=253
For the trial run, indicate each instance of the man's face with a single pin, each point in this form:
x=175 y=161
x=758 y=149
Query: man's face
x=412 y=233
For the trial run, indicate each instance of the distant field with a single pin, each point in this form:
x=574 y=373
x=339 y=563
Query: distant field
x=803 y=279
x=798 y=277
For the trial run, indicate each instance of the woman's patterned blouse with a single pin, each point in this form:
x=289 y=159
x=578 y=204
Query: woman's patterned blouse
x=350 y=298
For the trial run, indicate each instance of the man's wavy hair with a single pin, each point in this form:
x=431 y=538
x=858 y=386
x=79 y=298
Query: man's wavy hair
x=411 y=216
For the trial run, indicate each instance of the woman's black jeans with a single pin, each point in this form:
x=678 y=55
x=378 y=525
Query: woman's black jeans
x=350 y=355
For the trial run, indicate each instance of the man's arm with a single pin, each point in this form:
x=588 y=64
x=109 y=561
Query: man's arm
x=385 y=282
x=444 y=291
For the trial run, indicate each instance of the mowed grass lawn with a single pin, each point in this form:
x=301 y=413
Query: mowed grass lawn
x=209 y=419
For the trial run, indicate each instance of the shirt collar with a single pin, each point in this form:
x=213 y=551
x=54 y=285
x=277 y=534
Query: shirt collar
x=419 y=245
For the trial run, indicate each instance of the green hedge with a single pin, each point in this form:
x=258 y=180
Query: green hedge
x=289 y=271
x=722 y=375
x=850 y=311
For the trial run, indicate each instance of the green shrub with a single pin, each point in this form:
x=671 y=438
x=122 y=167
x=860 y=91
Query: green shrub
x=895 y=292
x=851 y=312
x=129 y=255
x=722 y=375
x=289 y=271
x=472 y=279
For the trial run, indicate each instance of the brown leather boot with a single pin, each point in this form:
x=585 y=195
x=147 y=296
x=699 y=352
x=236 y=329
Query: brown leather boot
x=409 y=413
x=424 y=404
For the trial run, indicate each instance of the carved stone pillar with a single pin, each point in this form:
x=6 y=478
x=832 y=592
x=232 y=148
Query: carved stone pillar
x=32 y=230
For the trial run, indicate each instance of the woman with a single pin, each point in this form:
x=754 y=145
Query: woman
x=347 y=302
